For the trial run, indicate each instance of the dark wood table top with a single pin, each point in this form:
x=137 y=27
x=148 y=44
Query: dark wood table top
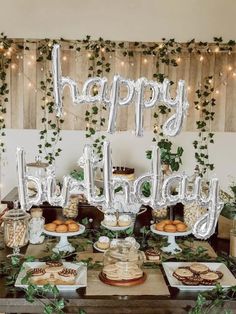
x=178 y=301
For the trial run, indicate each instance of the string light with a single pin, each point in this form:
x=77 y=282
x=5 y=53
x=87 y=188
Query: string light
x=178 y=59
x=30 y=84
x=13 y=66
x=29 y=63
x=132 y=64
x=217 y=92
x=122 y=63
x=201 y=58
x=230 y=68
x=102 y=49
x=89 y=55
x=17 y=57
x=220 y=74
x=234 y=74
x=189 y=88
x=210 y=81
x=32 y=57
x=42 y=69
x=145 y=60
x=217 y=49
x=64 y=58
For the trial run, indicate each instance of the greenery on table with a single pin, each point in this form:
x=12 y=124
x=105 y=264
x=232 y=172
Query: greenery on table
x=213 y=301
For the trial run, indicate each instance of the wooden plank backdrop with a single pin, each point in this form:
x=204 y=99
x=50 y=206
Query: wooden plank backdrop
x=25 y=98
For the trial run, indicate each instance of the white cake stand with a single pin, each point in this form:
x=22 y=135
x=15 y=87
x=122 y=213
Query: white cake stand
x=64 y=245
x=173 y=247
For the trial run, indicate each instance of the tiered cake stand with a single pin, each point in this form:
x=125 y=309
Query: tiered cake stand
x=173 y=247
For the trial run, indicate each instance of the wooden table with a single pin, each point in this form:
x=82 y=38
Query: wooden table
x=178 y=302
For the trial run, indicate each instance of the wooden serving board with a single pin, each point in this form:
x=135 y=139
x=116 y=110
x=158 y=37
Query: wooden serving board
x=122 y=283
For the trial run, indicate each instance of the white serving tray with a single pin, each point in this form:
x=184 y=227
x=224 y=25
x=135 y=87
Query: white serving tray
x=80 y=281
x=228 y=279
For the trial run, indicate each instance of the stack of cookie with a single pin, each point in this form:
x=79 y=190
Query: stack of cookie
x=122 y=271
x=197 y=274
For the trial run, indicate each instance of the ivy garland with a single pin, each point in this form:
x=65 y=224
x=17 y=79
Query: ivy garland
x=167 y=52
x=5 y=60
x=204 y=103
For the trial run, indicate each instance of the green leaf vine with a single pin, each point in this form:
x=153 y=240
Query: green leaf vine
x=204 y=104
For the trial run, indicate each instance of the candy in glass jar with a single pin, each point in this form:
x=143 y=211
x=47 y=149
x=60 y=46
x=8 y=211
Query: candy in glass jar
x=71 y=211
x=16 y=230
x=36 y=226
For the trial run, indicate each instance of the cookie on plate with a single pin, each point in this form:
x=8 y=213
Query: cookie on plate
x=198 y=268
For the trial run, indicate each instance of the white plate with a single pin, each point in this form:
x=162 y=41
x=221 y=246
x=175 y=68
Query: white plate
x=175 y=234
x=116 y=228
x=80 y=281
x=228 y=279
x=67 y=234
x=137 y=246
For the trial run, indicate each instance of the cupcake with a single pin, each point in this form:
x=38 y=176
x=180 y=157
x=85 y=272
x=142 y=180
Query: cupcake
x=110 y=220
x=124 y=220
x=103 y=243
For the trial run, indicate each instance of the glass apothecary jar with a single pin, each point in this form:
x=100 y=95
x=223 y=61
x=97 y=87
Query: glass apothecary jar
x=16 y=230
x=36 y=226
x=71 y=211
x=122 y=264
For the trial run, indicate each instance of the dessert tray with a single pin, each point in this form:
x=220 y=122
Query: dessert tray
x=173 y=247
x=226 y=281
x=116 y=228
x=80 y=278
x=63 y=245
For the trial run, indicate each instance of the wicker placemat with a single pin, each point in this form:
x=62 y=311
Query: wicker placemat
x=154 y=285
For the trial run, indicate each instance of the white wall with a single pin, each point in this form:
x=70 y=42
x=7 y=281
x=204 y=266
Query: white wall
x=127 y=150
x=143 y=20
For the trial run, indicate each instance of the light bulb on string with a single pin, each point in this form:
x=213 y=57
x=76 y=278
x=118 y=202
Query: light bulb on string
x=29 y=63
x=122 y=63
x=178 y=59
x=234 y=74
x=217 y=92
x=217 y=49
x=29 y=84
x=103 y=49
x=230 y=68
x=145 y=61
x=89 y=55
x=201 y=58
x=13 y=66
x=64 y=58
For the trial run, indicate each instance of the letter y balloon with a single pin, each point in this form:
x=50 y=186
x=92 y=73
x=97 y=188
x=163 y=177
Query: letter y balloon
x=111 y=97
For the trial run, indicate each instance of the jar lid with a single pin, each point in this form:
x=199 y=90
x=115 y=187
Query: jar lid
x=16 y=214
x=36 y=212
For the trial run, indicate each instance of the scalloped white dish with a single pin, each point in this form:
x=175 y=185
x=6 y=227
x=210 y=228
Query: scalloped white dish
x=80 y=280
x=226 y=281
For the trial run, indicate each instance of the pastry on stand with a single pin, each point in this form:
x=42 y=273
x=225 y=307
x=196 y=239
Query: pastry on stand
x=63 y=230
x=171 y=229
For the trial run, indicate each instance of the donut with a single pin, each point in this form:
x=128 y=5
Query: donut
x=50 y=227
x=160 y=226
x=61 y=228
x=69 y=221
x=170 y=228
x=181 y=227
x=176 y=222
x=73 y=227
x=57 y=222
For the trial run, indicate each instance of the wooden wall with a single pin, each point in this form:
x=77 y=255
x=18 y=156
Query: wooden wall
x=25 y=97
